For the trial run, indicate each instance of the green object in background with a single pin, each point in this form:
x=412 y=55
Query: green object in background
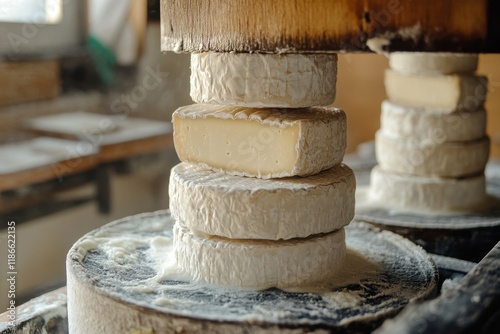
x=104 y=60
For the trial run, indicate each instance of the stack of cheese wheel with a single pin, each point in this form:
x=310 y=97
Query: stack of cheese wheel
x=432 y=147
x=261 y=197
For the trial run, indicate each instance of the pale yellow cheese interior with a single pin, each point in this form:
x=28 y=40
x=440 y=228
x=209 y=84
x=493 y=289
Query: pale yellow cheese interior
x=439 y=91
x=237 y=145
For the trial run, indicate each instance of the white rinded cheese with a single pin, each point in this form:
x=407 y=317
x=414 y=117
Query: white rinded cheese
x=411 y=192
x=258 y=264
x=264 y=80
x=250 y=208
x=427 y=126
x=433 y=63
x=432 y=159
x=264 y=143
x=445 y=93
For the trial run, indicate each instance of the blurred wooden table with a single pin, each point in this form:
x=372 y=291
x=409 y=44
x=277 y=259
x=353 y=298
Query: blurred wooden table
x=117 y=137
x=75 y=149
x=33 y=171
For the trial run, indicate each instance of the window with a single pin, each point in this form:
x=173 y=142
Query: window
x=41 y=28
x=31 y=11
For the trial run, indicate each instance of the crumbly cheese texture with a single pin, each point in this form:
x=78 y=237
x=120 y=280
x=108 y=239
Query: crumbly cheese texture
x=433 y=62
x=429 y=127
x=444 y=93
x=432 y=158
x=264 y=143
x=403 y=191
x=249 y=208
x=258 y=264
x=264 y=80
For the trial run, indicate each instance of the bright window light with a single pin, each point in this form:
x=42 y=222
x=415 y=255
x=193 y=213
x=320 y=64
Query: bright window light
x=31 y=11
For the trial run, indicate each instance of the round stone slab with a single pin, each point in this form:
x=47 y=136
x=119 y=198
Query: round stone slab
x=466 y=236
x=120 y=280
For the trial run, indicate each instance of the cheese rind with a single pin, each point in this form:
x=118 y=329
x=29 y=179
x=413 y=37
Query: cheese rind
x=264 y=80
x=258 y=264
x=433 y=62
x=412 y=192
x=432 y=159
x=249 y=208
x=427 y=126
x=444 y=93
x=263 y=143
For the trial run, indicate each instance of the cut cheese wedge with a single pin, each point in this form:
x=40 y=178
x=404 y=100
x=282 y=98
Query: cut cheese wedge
x=433 y=62
x=258 y=264
x=432 y=158
x=445 y=93
x=264 y=80
x=403 y=191
x=264 y=143
x=249 y=208
x=427 y=126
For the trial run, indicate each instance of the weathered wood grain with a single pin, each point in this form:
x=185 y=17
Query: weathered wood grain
x=469 y=307
x=323 y=25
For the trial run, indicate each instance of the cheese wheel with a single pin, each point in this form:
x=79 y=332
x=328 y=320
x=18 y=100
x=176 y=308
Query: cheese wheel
x=258 y=264
x=249 y=208
x=444 y=93
x=432 y=159
x=403 y=191
x=427 y=126
x=433 y=62
x=263 y=143
x=264 y=80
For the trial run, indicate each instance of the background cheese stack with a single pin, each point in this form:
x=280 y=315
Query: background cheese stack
x=261 y=198
x=432 y=147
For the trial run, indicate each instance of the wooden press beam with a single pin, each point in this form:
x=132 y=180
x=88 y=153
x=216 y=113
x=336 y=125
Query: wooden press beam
x=328 y=25
x=472 y=306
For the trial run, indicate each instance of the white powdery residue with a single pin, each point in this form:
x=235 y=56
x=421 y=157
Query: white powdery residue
x=121 y=251
x=450 y=283
x=342 y=298
x=169 y=302
x=59 y=311
x=88 y=244
x=271 y=313
x=356 y=269
x=143 y=288
x=414 y=32
x=162 y=255
x=47 y=307
x=378 y=43
x=83 y=247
